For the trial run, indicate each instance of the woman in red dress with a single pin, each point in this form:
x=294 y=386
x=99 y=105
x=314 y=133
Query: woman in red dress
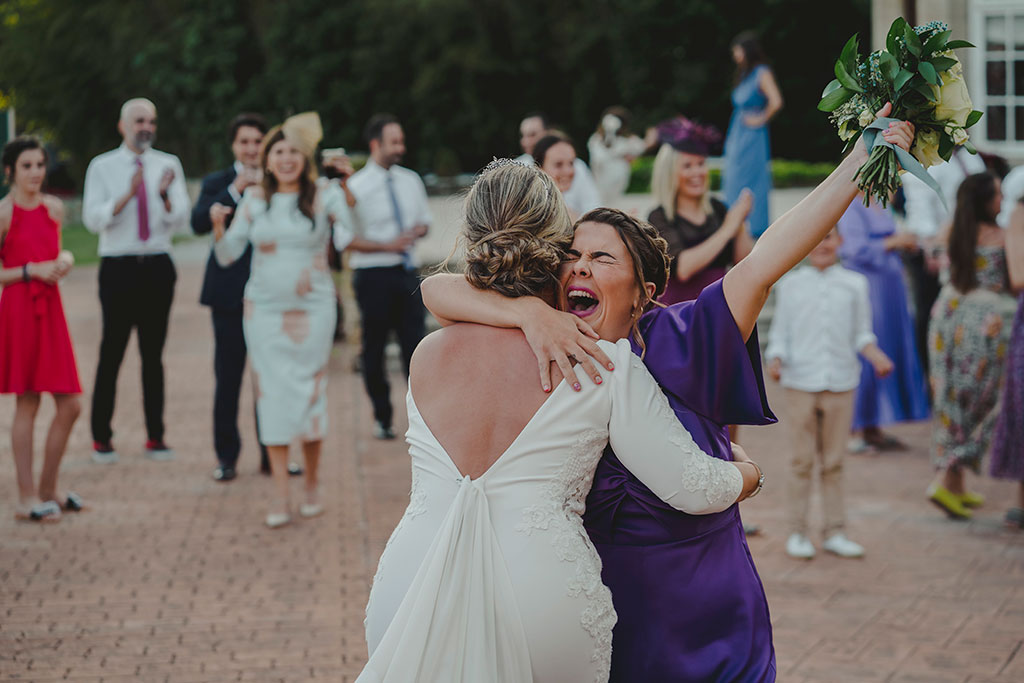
x=36 y=355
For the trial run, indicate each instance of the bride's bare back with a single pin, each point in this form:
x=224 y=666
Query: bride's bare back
x=476 y=389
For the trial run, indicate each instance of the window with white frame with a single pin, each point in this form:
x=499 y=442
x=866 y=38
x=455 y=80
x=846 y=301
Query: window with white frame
x=997 y=29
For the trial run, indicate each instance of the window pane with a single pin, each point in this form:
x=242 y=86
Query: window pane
x=996 y=126
x=1018 y=32
x=1019 y=131
x=995 y=78
x=995 y=33
x=1018 y=77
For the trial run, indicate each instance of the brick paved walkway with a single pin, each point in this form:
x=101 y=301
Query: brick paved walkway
x=172 y=577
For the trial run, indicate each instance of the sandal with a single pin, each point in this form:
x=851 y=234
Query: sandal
x=47 y=512
x=72 y=503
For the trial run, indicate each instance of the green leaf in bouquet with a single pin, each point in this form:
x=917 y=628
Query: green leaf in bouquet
x=844 y=77
x=943 y=63
x=969 y=146
x=973 y=118
x=834 y=98
x=928 y=71
x=928 y=92
x=913 y=42
x=848 y=57
x=957 y=44
x=888 y=65
x=901 y=79
x=946 y=145
x=936 y=43
x=895 y=33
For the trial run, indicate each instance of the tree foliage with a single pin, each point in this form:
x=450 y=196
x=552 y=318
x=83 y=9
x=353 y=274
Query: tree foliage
x=460 y=74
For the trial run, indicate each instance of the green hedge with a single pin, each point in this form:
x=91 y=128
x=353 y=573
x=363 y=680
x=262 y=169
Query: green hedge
x=785 y=173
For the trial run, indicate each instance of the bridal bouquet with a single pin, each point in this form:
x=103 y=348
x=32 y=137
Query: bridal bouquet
x=919 y=73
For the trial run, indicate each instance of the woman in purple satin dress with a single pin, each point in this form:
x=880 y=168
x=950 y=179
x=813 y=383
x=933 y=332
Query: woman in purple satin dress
x=690 y=604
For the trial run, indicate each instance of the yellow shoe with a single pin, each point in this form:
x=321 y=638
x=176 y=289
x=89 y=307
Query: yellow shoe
x=969 y=499
x=948 y=502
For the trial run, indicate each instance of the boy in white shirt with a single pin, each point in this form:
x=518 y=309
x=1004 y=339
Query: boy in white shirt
x=822 y=320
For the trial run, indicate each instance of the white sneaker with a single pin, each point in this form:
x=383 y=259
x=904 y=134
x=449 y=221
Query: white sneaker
x=158 y=450
x=104 y=457
x=800 y=547
x=839 y=544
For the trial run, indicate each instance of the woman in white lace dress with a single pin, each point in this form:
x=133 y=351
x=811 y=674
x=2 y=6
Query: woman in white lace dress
x=289 y=304
x=489 y=575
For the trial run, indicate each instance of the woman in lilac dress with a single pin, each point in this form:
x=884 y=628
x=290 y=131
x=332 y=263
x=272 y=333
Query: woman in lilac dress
x=690 y=604
x=871 y=246
x=1007 y=454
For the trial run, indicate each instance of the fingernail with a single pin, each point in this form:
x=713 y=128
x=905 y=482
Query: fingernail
x=598 y=380
x=576 y=386
x=611 y=366
x=547 y=388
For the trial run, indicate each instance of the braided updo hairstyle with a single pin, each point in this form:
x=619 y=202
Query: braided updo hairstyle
x=517 y=230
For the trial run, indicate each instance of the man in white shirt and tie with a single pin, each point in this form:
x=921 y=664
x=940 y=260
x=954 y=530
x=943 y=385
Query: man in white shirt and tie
x=135 y=199
x=390 y=214
x=582 y=195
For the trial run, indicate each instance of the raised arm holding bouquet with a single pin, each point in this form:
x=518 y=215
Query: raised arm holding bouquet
x=919 y=73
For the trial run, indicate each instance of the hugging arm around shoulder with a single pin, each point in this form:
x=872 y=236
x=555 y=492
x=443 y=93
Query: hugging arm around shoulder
x=651 y=442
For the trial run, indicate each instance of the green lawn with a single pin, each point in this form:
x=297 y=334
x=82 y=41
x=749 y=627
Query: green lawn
x=83 y=244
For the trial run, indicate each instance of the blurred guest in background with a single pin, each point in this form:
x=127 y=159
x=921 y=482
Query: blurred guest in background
x=968 y=341
x=928 y=218
x=1008 y=444
x=755 y=99
x=1013 y=192
x=582 y=191
x=871 y=246
x=135 y=199
x=556 y=156
x=222 y=292
x=822 y=321
x=612 y=148
x=36 y=355
x=390 y=214
x=289 y=299
x=704 y=237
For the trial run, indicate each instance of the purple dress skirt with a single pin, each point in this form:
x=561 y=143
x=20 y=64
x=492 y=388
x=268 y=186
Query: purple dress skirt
x=1007 y=454
x=690 y=603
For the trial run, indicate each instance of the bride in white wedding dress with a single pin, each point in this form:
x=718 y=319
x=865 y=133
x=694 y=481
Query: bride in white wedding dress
x=489 y=576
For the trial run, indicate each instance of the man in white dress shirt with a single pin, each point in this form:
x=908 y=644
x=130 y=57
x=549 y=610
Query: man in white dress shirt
x=390 y=214
x=135 y=199
x=927 y=219
x=582 y=195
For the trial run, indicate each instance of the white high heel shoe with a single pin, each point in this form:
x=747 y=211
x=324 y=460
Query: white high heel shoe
x=276 y=520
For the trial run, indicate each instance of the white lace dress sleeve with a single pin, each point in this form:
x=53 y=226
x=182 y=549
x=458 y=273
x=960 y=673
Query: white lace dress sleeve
x=650 y=441
x=231 y=246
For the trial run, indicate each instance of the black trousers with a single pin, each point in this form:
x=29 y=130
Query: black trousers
x=229 y=354
x=389 y=299
x=135 y=292
x=926 y=288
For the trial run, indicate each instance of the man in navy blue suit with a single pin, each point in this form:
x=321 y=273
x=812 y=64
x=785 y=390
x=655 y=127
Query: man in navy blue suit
x=223 y=289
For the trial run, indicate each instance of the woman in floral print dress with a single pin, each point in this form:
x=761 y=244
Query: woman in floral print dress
x=968 y=342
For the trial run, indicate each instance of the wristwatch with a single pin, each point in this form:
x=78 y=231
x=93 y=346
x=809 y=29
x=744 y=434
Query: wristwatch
x=760 y=480
x=24 y=273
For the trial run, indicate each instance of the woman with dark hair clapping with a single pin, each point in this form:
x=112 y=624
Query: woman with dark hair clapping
x=36 y=355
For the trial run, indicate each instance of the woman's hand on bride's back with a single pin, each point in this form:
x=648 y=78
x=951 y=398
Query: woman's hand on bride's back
x=563 y=338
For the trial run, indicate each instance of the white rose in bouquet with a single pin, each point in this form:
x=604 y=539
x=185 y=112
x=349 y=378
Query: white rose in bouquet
x=954 y=101
x=926 y=148
x=959 y=135
x=865 y=118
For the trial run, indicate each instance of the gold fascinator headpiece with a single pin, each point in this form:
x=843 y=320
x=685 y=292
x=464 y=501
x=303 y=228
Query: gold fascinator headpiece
x=304 y=131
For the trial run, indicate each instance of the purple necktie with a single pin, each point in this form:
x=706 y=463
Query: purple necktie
x=140 y=198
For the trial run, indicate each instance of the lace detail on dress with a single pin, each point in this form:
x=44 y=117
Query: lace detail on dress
x=713 y=477
x=561 y=517
x=417 y=506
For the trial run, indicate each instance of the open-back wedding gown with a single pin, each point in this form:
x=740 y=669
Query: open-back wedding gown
x=494 y=579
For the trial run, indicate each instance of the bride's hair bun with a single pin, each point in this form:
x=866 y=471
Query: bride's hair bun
x=517 y=230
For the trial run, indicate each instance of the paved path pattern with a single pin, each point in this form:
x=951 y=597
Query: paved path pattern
x=169 y=576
